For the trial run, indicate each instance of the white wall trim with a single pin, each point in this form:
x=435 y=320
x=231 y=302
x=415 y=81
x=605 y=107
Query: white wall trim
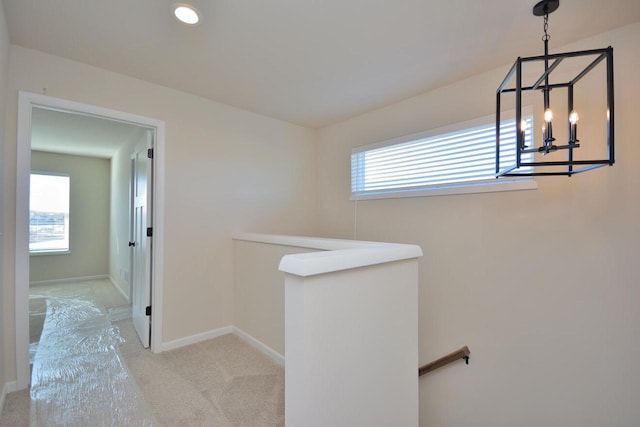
x=259 y=345
x=69 y=280
x=26 y=102
x=215 y=333
x=3 y=396
x=82 y=279
x=119 y=289
x=485 y=186
x=194 y=339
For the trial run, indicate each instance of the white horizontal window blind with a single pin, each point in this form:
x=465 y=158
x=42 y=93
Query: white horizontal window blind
x=453 y=158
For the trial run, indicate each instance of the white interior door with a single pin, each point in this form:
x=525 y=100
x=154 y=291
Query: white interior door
x=141 y=243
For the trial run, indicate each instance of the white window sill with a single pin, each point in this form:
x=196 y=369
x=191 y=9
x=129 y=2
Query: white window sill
x=493 y=186
x=39 y=253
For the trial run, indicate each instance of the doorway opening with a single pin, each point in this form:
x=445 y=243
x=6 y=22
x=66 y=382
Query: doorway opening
x=32 y=107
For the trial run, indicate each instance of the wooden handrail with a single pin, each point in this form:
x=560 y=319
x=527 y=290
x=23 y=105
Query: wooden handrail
x=463 y=353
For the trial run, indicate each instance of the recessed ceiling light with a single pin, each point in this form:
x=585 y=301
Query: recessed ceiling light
x=186 y=13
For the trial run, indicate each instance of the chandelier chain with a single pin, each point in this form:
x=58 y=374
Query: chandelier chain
x=546 y=36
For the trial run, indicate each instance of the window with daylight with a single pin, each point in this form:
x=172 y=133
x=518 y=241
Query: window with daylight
x=456 y=159
x=49 y=213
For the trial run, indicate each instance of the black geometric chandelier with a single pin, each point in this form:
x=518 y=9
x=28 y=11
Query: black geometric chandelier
x=580 y=85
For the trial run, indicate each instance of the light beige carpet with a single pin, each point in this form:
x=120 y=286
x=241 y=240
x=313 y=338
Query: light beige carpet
x=220 y=382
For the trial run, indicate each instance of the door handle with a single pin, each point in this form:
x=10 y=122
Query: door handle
x=132 y=244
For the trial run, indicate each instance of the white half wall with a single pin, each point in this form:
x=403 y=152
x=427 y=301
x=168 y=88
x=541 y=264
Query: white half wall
x=351 y=327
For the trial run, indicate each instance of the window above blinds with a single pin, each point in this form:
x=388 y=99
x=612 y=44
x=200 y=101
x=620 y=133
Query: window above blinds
x=463 y=155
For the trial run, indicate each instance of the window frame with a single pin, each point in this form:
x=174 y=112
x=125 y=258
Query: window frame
x=461 y=187
x=64 y=251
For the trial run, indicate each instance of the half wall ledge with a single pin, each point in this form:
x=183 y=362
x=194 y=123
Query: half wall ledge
x=333 y=254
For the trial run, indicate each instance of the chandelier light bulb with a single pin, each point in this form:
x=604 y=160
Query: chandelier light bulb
x=573 y=128
x=573 y=117
x=548 y=115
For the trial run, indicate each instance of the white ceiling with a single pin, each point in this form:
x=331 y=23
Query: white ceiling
x=310 y=62
x=70 y=133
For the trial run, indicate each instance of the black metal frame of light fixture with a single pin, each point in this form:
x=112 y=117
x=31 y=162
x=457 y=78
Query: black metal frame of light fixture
x=543 y=8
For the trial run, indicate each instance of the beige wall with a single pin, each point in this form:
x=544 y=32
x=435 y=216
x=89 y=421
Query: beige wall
x=88 y=218
x=542 y=285
x=227 y=170
x=5 y=335
x=119 y=252
x=259 y=291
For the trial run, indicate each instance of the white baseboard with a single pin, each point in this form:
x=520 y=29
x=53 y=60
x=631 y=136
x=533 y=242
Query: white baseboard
x=194 y=339
x=70 y=279
x=119 y=289
x=253 y=342
x=259 y=345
